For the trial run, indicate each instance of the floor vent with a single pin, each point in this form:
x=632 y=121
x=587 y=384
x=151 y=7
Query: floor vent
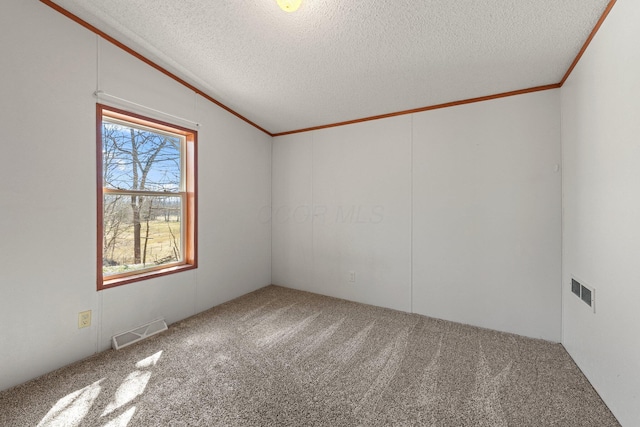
x=141 y=332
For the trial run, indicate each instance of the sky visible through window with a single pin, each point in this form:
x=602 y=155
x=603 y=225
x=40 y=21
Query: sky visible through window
x=137 y=159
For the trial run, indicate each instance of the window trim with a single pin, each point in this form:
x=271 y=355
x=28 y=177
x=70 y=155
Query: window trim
x=191 y=203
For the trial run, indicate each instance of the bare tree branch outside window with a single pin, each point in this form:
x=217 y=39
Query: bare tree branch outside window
x=143 y=183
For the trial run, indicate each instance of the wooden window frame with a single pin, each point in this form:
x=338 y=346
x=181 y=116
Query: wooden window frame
x=190 y=259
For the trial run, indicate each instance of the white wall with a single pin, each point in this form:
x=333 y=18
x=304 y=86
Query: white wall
x=342 y=203
x=601 y=200
x=459 y=213
x=487 y=214
x=292 y=194
x=48 y=198
x=362 y=195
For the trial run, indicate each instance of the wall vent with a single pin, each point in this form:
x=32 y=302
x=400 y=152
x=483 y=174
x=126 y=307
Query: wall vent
x=575 y=287
x=137 y=334
x=585 y=292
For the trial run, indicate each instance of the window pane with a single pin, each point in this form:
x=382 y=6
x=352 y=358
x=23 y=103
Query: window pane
x=140 y=232
x=139 y=159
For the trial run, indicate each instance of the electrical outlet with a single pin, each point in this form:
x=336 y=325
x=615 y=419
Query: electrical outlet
x=352 y=277
x=84 y=319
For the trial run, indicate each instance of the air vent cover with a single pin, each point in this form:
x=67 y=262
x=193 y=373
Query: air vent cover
x=575 y=287
x=586 y=295
x=134 y=335
x=585 y=292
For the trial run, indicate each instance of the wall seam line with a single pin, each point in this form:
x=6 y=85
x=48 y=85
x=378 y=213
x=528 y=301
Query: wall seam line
x=100 y=299
x=271 y=281
x=411 y=213
x=313 y=219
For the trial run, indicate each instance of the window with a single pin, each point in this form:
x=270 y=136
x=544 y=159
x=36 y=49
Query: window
x=146 y=197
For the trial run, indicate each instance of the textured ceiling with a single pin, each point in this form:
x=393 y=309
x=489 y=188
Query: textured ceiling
x=335 y=60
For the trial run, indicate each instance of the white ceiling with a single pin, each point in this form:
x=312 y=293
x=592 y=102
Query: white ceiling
x=335 y=60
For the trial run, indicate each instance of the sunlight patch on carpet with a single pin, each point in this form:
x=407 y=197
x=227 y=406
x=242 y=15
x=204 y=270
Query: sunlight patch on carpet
x=149 y=361
x=71 y=409
x=132 y=387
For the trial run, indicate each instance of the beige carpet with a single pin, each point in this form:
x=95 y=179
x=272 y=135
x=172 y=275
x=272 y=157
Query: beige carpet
x=279 y=357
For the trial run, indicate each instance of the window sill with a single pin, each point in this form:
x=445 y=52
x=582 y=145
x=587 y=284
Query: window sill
x=112 y=283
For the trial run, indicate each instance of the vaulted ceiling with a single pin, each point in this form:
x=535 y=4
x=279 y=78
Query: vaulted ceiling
x=335 y=60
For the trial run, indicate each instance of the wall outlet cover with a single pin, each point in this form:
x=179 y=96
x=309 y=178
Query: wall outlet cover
x=84 y=319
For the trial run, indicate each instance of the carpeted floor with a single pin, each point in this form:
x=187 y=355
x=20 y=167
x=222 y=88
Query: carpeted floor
x=279 y=357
